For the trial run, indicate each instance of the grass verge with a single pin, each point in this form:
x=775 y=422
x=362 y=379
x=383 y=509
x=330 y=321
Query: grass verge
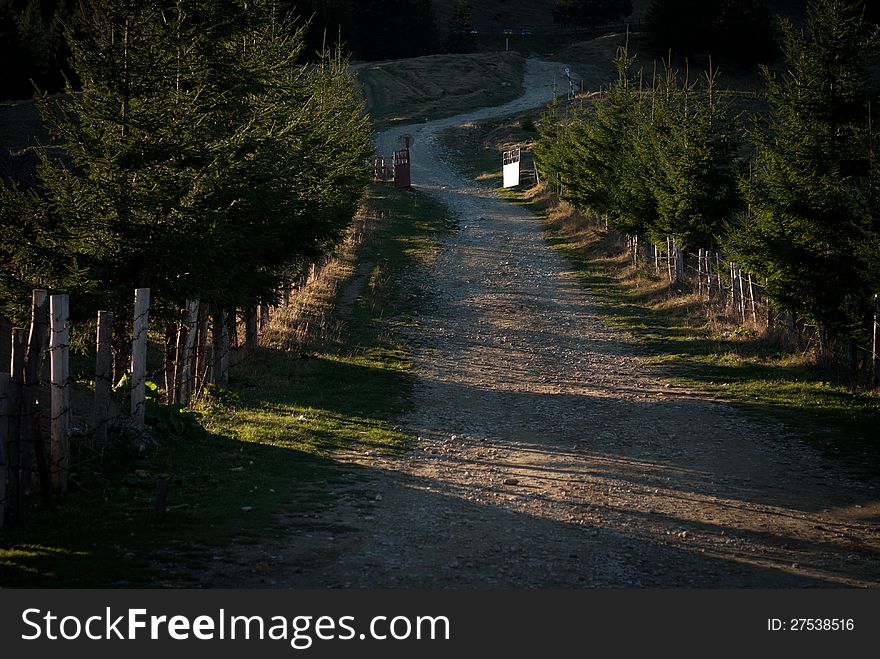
x=270 y=442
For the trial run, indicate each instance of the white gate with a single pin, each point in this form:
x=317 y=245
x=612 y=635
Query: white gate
x=510 y=168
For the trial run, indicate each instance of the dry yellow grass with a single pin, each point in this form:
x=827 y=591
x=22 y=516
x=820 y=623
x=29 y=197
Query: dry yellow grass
x=312 y=316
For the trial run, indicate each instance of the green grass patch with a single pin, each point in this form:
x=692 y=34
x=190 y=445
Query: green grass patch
x=268 y=451
x=730 y=363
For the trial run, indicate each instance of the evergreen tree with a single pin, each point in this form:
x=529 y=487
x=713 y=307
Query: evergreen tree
x=370 y=29
x=460 y=39
x=206 y=162
x=11 y=70
x=742 y=33
x=812 y=229
x=678 y=25
x=597 y=158
x=397 y=30
x=32 y=46
x=693 y=148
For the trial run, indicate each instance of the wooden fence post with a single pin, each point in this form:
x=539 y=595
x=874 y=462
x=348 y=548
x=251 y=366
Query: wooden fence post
x=169 y=359
x=679 y=262
x=285 y=290
x=184 y=367
x=221 y=348
x=732 y=287
x=232 y=327
x=718 y=276
x=875 y=356
x=752 y=298
x=5 y=343
x=203 y=360
x=4 y=429
x=139 y=355
x=59 y=341
x=669 y=257
x=742 y=297
x=708 y=275
x=250 y=328
x=103 y=377
x=15 y=508
x=700 y=254
x=33 y=447
x=707 y=270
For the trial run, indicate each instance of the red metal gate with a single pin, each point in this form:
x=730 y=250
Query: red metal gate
x=401 y=169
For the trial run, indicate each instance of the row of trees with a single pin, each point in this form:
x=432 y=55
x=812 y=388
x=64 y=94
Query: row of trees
x=34 y=50
x=206 y=163
x=794 y=198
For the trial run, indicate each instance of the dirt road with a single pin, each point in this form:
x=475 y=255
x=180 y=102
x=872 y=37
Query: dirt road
x=551 y=456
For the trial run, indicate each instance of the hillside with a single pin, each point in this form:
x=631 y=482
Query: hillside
x=497 y=15
x=492 y=15
x=402 y=91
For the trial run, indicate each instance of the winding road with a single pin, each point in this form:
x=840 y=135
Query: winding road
x=551 y=455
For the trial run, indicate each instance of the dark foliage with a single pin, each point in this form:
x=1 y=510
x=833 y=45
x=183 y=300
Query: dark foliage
x=33 y=50
x=370 y=29
x=589 y=13
x=739 y=32
x=207 y=164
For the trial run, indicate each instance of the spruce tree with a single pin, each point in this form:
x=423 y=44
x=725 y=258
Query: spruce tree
x=205 y=161
x=811 y=233
x=693 y=144
x=596 y=155
x=589 y=13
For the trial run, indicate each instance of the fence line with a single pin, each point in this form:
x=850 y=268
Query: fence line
x=200 y=344
x=738 y=294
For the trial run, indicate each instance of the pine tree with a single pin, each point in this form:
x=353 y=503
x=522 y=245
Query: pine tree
x=595 y=155
x=811 y=233
x=693 y=147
